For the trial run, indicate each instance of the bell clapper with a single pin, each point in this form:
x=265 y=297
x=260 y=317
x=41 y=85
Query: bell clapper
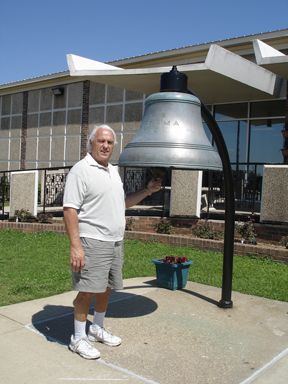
x=157 y=172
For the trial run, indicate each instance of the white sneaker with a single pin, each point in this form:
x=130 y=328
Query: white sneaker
x=104 y=336
x=84 y=348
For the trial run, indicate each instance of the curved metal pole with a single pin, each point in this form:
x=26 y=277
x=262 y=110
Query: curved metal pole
x=225 y=301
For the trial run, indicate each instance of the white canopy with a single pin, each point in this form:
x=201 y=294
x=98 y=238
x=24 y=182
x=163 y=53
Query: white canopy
x=223 y=77
x=271 y=59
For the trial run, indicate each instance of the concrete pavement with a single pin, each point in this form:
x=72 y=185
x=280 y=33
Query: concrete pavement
x=168 y=337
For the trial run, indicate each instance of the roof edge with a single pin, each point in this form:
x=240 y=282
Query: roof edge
x=33 y=80
x=198 y=47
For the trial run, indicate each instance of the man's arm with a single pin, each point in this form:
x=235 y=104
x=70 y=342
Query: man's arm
x=136 y=197
x=77 y=254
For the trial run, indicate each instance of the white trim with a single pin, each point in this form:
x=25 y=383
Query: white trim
x=265 y=368
x=35 y=80
x=199 y=193
x=234 y=42
x=75 y=62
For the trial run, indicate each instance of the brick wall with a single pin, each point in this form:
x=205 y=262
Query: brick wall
x=57 y=227
x=85 y=118
x=279 y=254
x=182 y=226
x=24 y=130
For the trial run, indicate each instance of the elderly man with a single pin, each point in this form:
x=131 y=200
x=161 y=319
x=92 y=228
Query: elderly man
x=94 y=213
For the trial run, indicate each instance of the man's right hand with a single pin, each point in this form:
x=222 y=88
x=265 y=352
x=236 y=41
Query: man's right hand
x=77 y=254
x=77 y=259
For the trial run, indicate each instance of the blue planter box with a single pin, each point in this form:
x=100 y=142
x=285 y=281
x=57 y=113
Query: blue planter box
x=172 y=276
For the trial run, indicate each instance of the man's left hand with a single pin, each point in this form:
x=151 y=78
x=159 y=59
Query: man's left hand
x=154 y=185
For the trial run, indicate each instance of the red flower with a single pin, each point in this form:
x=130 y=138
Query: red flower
x=174 y=260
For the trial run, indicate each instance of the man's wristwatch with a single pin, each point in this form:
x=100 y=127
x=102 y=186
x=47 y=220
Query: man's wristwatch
x=148 y=191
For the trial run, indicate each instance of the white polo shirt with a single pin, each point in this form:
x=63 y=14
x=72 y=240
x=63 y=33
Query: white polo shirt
x=98 y=196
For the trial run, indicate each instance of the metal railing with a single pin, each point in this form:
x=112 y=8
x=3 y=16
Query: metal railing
x=248 y=179
x=247 y=185
x=54 y=185
x=51 y=184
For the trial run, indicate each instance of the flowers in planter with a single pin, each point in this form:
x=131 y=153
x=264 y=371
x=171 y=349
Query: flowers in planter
x=174 y=259
x=172 y=271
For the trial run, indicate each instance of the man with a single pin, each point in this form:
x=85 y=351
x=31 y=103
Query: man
x=94 y=214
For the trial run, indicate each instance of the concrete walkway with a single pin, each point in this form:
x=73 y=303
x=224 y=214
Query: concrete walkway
x=168 y=337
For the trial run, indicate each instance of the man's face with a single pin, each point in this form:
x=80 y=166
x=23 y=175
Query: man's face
x=102 y=146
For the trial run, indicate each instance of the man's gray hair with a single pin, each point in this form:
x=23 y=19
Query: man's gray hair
x=93 y=134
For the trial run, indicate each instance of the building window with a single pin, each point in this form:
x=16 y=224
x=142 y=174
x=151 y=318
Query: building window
x=231 y=111
x=262 y=142
x=268 y=108
x=11 y=107
x=235 y=136
x=266 y=141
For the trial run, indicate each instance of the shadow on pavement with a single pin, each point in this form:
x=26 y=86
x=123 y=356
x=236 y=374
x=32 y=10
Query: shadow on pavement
x=56 y=328
x=56 y=322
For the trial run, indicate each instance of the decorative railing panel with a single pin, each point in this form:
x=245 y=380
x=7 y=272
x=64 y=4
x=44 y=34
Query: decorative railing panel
x=54 y=188
x=247 y=186
x=136 y=179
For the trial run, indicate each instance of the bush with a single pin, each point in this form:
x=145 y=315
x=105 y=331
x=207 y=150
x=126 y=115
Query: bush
x=164 y=226
x=205 y=230
x=44 y=217
x=246 y=230
x=284 y=241
x=129 y=223
x=23 y=215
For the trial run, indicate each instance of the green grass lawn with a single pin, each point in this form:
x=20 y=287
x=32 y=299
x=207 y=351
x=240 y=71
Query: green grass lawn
x=36 y=265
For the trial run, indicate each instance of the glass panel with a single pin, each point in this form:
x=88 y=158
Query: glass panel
x=235 y=137
x=266 y=141
x=268 y=108
x=234 y=111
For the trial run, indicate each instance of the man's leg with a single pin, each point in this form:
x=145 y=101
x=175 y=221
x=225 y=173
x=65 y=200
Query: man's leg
x=81 y=309
x=102 y=300
x=82 y=305
x=96 y=331
x=79 y=342
x=101 y=304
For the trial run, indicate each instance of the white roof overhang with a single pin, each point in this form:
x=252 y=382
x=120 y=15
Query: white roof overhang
x=223 y=77
x=271 y=59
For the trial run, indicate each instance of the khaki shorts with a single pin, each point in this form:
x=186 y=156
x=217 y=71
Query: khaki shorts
x=103 y=266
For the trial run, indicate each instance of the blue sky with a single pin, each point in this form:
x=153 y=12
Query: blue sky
x=36 y=35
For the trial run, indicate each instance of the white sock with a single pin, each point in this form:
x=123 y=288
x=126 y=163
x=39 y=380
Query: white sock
x=98 y=320
x=79 y=329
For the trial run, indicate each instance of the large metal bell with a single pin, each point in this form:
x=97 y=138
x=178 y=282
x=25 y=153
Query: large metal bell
x=171 y=135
